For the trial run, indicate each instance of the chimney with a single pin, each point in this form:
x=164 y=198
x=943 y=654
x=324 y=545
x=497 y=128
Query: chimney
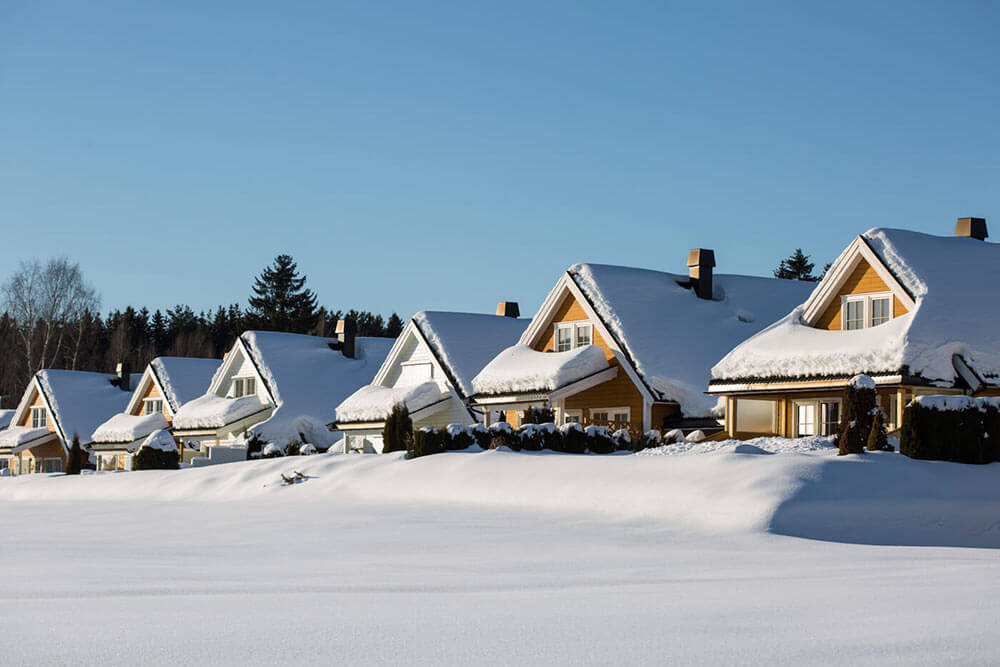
x=700 y=263
x=508 y=309
x=972 y=227
x=346 y=332
x=124 y=374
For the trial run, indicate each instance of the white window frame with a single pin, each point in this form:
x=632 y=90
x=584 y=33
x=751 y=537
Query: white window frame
x=869 y=311
x=819 y=423
x=39 y=417
x=146 y=402
x=574 y=327
x=625 y=410
x=573 y=412
x=414 y=364
x=245 y=389
x=58 y=467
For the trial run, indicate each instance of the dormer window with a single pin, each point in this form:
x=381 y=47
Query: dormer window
x=861 y=311
x=151 y=406
x=39 y=418
x=569 y=335
x=244 y=387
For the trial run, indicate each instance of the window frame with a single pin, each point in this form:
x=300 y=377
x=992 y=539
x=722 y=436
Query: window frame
x=572 y=412
x=612 y=412
x=247 y=384
x=819 y=421
x=58 y=467
x=574 y=327
x=867 y=308
x=39 y=416
x=146 y=402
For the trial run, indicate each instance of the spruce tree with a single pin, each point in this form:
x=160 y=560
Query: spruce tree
x=397 y=432
x=859 y=410
x=74 y=462
x=796 y=267
x=281 y=301
x=878 y=439
x=394 y=326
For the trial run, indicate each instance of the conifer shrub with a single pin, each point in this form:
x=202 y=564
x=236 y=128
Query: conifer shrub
x=458 y=437
x=948 y=428
x=859 y=406
x=623 y=440
x=599 y=441
x=154 y=458
x=878 y=438
x=651 y=438
x=991 y=431
x=543 y=415
x=293 y=447
x=425 y=441
x=573 y=440
x=481 y=435
x=255 y=445
x=74 y=460
x=397 y=433
x=271 y=451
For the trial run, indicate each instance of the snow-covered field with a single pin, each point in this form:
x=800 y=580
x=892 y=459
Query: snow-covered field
x=497 y=557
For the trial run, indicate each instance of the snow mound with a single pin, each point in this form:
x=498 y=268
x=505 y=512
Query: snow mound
x=161 y=440
x=374 y=402
x=128 y=428
x=862 y=381
x=211 y=411
x=519 y=368
x=768 y=445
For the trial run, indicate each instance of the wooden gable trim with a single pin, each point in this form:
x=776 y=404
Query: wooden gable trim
x=859 y=250
x=148 y=376
x=52 y=415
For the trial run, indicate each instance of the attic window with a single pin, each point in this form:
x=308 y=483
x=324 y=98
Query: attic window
x=860 y=311
x=244 y=387
x=39 y=418
x=151 y=406
x=570 y=335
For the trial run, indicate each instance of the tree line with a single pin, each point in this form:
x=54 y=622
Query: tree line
x=51 y=319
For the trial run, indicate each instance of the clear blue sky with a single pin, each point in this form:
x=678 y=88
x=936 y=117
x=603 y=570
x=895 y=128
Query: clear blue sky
x=447 y=156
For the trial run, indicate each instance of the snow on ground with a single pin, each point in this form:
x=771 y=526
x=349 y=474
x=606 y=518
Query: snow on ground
x=496 y=557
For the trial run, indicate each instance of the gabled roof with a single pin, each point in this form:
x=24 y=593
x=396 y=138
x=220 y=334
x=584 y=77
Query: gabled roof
x=78 y=401
x=951 y=283
x=181 y=379
x=304 y=379
x=664 y=335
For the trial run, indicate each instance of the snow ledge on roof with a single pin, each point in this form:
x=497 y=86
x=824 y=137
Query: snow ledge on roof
x=373 y=403
x=520 y=368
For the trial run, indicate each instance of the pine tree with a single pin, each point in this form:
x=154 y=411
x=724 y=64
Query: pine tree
x=74 y=462
x=878 y=439
x=281 y=302
x=796 y=267
x=397 y=433
x=859 y=410
x=394 y=326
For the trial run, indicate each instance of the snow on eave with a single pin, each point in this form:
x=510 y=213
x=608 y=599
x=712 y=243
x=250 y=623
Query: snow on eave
x=521 y=369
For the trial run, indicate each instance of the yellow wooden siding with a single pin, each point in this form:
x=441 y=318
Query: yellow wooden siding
x=863 y=280
x=37 y=401
x=151 y=392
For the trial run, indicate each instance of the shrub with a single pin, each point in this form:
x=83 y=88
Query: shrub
x=458 y=437
x=74 y=460
x=599 y=440
x=425 y=441
x=397 y=432
x=543 y=415
x=154 y=458
x=481 y=435
x=254 y=446
x=860 y=407
x=651 y=438
x=991 y=430
x=878 y=439
x=293 y=447
x=672 y=436
x=573 y=440
x=308 y=450
x=271 y=451
x=948 y=428
x=623 y=440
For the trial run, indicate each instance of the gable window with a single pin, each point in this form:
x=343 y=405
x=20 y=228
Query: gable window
x=570 y=335
x=415 y=372
x=151 y=406
x=39 y=417
x=861 y=311
x=244 y=387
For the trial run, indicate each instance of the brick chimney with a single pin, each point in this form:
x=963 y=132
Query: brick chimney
x=972 y=227
x=124 y=374
x=700 y=263
x=508 y=309
x=346 y=333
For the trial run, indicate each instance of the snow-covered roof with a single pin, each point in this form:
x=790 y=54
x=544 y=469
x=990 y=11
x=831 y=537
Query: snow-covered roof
x=953 y=282
x=79 y=400
x=124 y=427
x=183 y=379
x=671 y=336
x=161 y=440
x=465 y=342
x=211 y=411
x=5 y=417
x=18 y=435
x=520 y=369
x=374 y=402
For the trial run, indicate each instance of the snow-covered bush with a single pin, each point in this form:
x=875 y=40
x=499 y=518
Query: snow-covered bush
x=157 y=452
x=425 y=441
x=271 y=451
x=695 y=436
x=860 y=407
x=397 y=432
x=950 y=428
x=307 y=450
x=673 y=435
x=573 y=440
x=599 y=440
x=293 y=447
x=255 y=445
x=536 y=437
x=623 y=440
x=458 y=437
x=481 y=435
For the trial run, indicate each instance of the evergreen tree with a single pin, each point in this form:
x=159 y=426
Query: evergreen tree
x=281 y=302
x=397 y=432
x=796 y=267
x=878 y=439
x=859 y=409
x=74 y=462
x=394 y=326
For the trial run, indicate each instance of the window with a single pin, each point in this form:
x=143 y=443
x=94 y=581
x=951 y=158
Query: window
x=755 y=416
x=817 y=418
x=4 y=463
x=151 y=406
x=415 y=373
x=572 y=416
x=244 y=387
x=39 y=418
x=573 y=334
x=53 y=465
x=605 y=416
x=866 y=310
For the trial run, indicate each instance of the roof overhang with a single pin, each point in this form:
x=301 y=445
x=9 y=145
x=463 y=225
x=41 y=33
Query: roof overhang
x=34 y=442
x=422 y=413
x=804 y=385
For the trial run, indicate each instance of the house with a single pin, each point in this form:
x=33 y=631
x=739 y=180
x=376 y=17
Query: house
x=56 y=406
x=629 y=347
x=165 y=385
x=911 y=310
x=279 y=387
x=430 y=370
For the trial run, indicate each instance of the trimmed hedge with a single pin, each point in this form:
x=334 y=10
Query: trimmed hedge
x=151 y=458
x=860 y=403
x=961 y=429
x=568 y=438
